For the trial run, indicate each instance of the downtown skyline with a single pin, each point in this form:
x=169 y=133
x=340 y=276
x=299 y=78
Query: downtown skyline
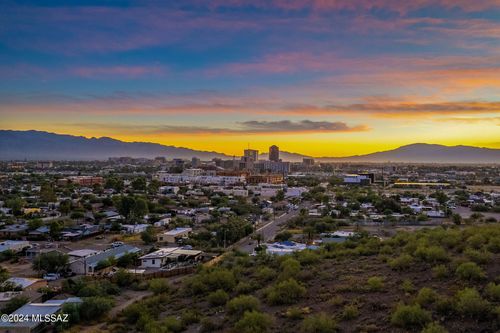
x=320 y=78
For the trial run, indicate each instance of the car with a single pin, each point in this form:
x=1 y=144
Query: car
x=117 y=244
x=99 y=237
x=51 y=276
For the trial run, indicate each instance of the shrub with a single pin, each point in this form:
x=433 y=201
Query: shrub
x=493 y=291
x=469 y=303
x=440 y=271
x=401 y=263
x=286 y=292
x=308 y=257
x=426 y=296
x=294 y=313
x=244 y=288
x=218 y=297
x=265 y=274
x=319 y=323
x=290 y=268
x=410 y=316
x=159 y=286
x=432 y=254
x=209 y=325
x=350 y=311
x=470 y=271
x=95 y=307
x=238 y=305
x=172 y=324
x=407 y=286
x=190 y=317
x=375 y=283
x=253 y=322
x=434 y=328
x=479 y=257
x=123 y=278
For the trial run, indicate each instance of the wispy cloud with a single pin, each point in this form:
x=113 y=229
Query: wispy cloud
x=242 y=128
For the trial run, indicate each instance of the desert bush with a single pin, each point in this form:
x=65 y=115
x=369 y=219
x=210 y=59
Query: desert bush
x=478 y=256
x=426 y=296
x=209 y=325
x=254 y=322
x=159 y=285
x=172 y=324
x=407 y=286
x=95 y=307
x=265 y=274
x=189 y=317
x=218 y=297
x=294 y=313
x=238 y=305
x=432 y=254
x=401 y=263
x=440 y=271
x=434 y=328
x=470 y=304
x=375 y=283
x=319 y=323
x=350 y=311
x=470 y=271
x=308 y=257
x=493 y=291
x=410 y=316
x=290 y=268
x=286 y=292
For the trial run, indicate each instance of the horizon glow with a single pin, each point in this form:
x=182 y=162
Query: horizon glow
x=320 y=78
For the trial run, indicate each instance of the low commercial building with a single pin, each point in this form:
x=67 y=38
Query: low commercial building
x=355 y=179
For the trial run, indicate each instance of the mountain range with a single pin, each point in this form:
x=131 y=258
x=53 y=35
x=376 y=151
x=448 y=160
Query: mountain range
x=38 y=145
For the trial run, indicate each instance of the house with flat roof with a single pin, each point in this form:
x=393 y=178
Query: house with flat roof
x=173 y=235
x=166 y=255
x=14 y=245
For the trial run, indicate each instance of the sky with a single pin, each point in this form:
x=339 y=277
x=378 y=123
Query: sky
x=317 y=77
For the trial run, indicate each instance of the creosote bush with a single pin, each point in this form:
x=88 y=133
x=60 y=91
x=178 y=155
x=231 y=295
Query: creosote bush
x=470 y=271
x=375 y=283
x=319 y=323
x=286 y=292
x=254 y=322
x=410 y=316
x=238 y=305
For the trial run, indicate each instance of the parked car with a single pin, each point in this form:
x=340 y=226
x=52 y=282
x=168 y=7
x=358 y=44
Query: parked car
x=116 y=244
x=99 y=237
x=51 y=276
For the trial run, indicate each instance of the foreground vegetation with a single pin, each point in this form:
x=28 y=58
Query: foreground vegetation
x=433 y=280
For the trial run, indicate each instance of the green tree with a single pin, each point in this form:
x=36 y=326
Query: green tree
x=51 y=262
x=148 y=236
x=139 y=184
x=47 y=193
x=55 y=229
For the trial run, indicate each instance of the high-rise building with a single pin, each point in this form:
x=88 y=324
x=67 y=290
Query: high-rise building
x=251 y=154
x=274 y=153
x=195 y=162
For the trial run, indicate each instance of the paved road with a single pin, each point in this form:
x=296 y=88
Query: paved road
x=268 y=231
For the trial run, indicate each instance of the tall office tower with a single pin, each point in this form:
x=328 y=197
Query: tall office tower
x=195 y=162
x=251 y=154
x=274 y=153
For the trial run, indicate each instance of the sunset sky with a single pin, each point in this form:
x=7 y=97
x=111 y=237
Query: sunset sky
x=318 y=77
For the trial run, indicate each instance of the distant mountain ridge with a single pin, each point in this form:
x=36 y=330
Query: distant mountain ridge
x=38 y=145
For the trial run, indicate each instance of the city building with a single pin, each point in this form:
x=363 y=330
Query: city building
x=251 y=154
x=274 y=153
